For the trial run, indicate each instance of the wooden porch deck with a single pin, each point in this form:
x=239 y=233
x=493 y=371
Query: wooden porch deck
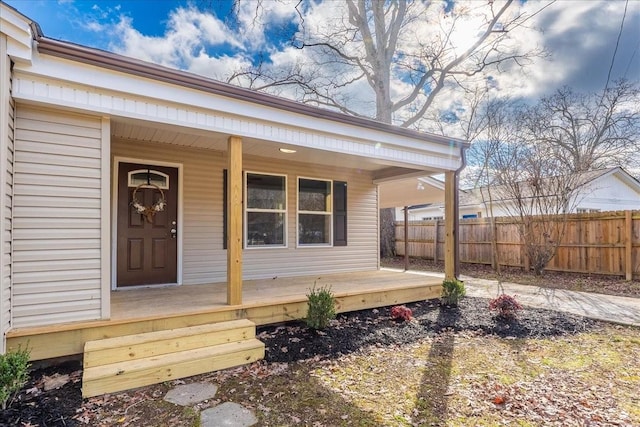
x=265 y=301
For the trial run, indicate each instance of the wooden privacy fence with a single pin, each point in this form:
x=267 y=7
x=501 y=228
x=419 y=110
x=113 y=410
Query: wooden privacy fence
x=599 y=243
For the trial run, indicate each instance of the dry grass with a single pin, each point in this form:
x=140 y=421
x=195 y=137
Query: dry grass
x=451 y=379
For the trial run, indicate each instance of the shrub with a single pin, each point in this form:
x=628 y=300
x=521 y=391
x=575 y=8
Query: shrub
x=321 y=308
x=506 y=306
x=401 y=312
x=14 y=372
x=452 y=291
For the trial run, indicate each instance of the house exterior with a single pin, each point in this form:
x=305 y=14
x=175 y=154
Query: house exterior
x=601 y=190
x=122 y=174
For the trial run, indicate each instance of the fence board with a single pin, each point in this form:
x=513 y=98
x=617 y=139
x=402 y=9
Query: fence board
x=598 y=243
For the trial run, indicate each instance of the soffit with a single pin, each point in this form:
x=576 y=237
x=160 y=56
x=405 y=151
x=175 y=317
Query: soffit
x=130 y=130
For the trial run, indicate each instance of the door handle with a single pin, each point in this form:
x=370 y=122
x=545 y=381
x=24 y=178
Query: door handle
x=174 y=233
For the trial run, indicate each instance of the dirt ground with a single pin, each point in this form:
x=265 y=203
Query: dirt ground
x=285 y=344
x=294 y=354
x=610 y=285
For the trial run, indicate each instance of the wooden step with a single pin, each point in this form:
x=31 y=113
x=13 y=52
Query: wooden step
x=139 y=346
x=155 y=357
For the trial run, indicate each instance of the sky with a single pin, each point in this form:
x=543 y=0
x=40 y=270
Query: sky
x=579 y=36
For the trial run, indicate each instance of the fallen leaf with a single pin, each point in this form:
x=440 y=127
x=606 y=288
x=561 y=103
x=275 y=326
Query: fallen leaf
x=55 y=381
x=499 y=400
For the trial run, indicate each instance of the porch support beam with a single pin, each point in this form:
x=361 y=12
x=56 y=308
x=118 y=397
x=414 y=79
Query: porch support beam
x=234 y=223
x=450 y=225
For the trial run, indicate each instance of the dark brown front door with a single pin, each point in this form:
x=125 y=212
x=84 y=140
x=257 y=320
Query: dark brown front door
x=147 y=242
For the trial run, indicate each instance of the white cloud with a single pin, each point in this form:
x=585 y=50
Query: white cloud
x=188 y=35
x=256 y=17
x=579 y=36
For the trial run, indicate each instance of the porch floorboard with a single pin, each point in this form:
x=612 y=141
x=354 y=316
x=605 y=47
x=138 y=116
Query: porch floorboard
x=265 y=301
x=176 y=300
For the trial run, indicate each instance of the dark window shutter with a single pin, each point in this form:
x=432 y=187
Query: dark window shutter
x=224 y=209
x=339 y=213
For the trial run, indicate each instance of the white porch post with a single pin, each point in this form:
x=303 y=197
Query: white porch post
x=234 y=222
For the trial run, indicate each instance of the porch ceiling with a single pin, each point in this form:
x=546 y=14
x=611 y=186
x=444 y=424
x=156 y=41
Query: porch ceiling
x=195 y=138
x=410 y=191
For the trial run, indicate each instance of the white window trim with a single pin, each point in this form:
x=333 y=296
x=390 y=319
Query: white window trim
x=247 y=210
x=329 y=213
x=162 y=174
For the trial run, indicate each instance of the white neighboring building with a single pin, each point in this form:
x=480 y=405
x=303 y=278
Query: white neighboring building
x=604 y=190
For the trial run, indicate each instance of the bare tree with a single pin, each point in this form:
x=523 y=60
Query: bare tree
x=380 y=42
x=534 y=161
x=493 y=126
x=529 y=188
x=395 y=58
x=588 y=131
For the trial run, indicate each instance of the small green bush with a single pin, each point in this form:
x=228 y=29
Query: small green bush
x=322 y=308
x=452 y=291
x=14 y=373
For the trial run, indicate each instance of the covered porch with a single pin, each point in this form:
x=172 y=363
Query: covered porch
x=265 y=301
x=257 y=188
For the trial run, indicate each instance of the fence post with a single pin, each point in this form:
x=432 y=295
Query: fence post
x=435 y=241
x=406 y=238
x=628 y=249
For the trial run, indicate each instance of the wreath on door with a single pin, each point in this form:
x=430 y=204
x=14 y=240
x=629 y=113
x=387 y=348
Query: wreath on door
x=148 y=211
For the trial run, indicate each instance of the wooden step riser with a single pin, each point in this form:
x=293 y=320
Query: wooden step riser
x=161 y=344
x=127 y=375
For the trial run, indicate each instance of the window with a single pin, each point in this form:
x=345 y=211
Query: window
x=149 y=177
x=266 y=210
x=587 y=210
x=315 y=213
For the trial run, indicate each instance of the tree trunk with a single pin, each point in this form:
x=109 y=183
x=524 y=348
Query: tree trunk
x=495 y=258
x=387 y=233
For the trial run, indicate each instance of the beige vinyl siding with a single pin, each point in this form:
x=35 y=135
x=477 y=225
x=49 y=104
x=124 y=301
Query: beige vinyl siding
x=56 y=218
x=7 y=136
x=204 y=259
x=361 y=251
x=8 y=218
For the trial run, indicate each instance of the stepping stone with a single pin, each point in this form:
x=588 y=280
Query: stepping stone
x=190 y=394
x=228 y=414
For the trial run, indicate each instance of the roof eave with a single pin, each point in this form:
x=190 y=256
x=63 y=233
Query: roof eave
x=140 y=68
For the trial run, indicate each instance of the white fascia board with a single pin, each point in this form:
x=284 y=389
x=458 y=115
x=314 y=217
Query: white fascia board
x=17 y=29
x=627 y=179
x=55 y=94
x=96 y=77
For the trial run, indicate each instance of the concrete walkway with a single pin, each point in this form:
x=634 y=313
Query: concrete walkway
x=622 y=310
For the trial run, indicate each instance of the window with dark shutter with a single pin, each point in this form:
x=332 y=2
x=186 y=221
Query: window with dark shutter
x=339 y=213
x=314 y=212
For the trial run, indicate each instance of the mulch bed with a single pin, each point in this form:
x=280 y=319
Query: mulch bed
x=293 y=341
x=353 y=331
x=35 y=406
